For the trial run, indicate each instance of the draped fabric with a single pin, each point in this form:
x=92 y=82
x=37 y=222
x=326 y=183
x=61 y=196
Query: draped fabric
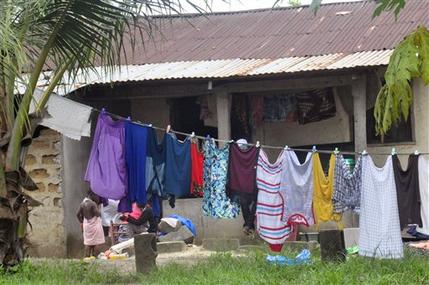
x=407 y=190
x=347 y=186
x=106 y=170
x=297 y=187
x=424 y=194
x=135 y=153
x=215 y=201
x=379 y=228
x=178 y=167
x=323 y=188
x=270 y=205
x=197 y=161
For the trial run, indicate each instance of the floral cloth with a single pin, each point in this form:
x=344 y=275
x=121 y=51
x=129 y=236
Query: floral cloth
x=215 y=202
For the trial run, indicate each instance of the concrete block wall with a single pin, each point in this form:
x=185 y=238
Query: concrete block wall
x=43 y=163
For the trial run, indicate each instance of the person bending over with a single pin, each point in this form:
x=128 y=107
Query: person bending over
x=146 y=220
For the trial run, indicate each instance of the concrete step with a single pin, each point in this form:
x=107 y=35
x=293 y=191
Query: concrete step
x=221 y=244
x=170 y=246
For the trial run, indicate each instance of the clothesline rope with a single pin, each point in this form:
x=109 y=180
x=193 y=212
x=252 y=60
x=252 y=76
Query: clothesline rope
x=248 y=144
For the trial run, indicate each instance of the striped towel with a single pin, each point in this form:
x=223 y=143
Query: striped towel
x=270 y=204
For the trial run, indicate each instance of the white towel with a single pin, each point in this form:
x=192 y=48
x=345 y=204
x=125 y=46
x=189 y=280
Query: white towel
x=379 y=229
x=424 y=194
x=67 y=117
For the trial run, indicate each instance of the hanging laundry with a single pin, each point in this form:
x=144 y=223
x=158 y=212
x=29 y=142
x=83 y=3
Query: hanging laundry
x=242 y=168
x=315 y=105
x=242 y=180
x=280 y=108
x=197 y=160
x=135 y=155
x=177 y=167
x=379 y=228
x=297 y=188
x=347 y=186
x=407 y=190
x=215 y=201
x=155 y=164
x=270 y=205
x=106 y=170
x=204 y=108
x=240 y=119
x=424 y=194
x=323 y=188
x=70 y=118
x=257 y=108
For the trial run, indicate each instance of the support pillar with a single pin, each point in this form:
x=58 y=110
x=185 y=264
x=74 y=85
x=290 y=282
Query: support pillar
x=359 y=112
x=223 y=105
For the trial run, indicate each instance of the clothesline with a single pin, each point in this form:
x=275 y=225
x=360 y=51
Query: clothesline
x=118 y=117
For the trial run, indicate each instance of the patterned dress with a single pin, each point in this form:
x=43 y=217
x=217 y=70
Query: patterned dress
x=215 y=202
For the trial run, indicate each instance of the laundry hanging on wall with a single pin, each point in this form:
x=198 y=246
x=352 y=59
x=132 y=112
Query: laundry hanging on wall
x=379 y=227
x=215 y=201
x=106 y=170
x=315 y=105
x=280 y=108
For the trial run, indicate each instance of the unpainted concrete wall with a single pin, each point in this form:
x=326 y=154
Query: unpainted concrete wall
x=46 y=236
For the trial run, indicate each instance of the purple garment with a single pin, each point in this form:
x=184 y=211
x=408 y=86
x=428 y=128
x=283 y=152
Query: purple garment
x=242 y=169
x=106 y=170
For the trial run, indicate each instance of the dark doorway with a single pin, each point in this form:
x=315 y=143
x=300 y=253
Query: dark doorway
x=185 y=117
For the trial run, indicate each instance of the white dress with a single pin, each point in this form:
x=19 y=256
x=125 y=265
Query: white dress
x=424 y=194
x=270 y=205
x=297 y=188
x=379 y=229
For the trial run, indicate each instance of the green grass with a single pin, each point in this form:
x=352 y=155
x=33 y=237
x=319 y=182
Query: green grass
x=226 y=269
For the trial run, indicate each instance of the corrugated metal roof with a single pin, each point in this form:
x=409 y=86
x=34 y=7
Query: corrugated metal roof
x=217 y=69
x=344 y=28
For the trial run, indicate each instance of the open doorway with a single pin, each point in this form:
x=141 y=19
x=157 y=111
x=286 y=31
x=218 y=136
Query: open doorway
x=185 y=117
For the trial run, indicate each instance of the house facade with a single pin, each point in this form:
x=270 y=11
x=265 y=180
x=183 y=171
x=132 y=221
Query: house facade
x=192 y=72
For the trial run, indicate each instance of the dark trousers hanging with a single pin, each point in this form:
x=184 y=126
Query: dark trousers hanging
x=248 y=208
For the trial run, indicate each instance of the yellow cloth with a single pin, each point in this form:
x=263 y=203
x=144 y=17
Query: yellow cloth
x=323 y=190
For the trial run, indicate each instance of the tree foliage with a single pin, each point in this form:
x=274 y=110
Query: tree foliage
x=409 y=60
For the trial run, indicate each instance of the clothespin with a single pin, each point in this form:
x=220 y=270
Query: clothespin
x=128 y=118
x=336 y=151
x=168 y=129
x=393 y=151
x=364 y=152
x=150 y=125
x=287 y=147
x=193 y=135
x=231 y=141
x=103 y=110
x=314 y=148
x=258 y=144
x=416 y=152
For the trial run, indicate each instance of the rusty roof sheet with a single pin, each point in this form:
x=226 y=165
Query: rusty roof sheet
x=339 y=28
x=219 y=69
